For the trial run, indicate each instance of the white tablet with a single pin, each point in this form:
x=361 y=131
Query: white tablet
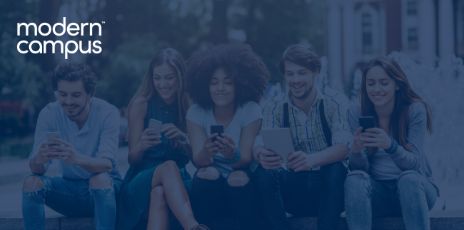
x=278 y=140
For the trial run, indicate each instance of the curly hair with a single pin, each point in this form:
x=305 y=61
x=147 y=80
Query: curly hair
x=75 y=72
x=238 y=61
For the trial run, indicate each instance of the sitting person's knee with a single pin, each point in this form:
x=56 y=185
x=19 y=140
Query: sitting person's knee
x=168 y=166
x=32 y=184
x=208 y=173
x=410 y=179
x=101 y=181
x=238 y=179
x=357 y=179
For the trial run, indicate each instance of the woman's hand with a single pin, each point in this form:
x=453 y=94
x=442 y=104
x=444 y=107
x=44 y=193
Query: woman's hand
x=173 y=133
x=226 y=145
x=210 y=145
x=149 y=138
x=358 y=144
x=376 y=137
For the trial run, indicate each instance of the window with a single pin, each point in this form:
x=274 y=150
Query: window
x=367 y=33
x=413 y=40
x=411 y=7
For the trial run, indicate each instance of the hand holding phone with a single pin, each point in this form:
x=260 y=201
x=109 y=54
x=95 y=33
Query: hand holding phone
x=216 y=129
x=156 y=125
x=367 y=122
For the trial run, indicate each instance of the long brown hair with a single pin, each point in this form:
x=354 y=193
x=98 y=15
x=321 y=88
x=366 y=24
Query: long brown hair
x=404 y=97
x=147 y=90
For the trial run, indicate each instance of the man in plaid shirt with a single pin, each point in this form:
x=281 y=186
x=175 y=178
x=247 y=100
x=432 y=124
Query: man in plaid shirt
x=312 y=182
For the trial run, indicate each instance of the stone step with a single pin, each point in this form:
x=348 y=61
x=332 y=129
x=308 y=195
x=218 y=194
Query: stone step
x=450 y=222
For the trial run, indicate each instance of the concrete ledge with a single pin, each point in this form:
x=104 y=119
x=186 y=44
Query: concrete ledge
x=390 y=223
x=57 y=223
x=306 y=223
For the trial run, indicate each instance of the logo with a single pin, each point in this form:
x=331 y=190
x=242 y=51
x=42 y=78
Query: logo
x=78 y=37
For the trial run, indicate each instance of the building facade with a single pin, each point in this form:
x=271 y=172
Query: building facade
x=358 y=30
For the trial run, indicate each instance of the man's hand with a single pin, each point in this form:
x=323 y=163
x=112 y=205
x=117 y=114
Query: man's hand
x=44 y=154
x=65 y=151
x=268 y=159
x=300 y=161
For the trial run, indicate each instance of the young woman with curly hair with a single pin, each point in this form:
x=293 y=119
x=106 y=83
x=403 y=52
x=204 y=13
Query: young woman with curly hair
x=390 y=173
x=226 y=83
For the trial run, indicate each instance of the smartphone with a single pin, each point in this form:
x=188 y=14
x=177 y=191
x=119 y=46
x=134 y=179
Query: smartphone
x=367 y=122
x=216 y=129
x=52 y=135
x=155 y=124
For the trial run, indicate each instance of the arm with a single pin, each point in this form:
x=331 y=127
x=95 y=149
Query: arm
x=358 y=159
x=39 y=161
x=139 y=139
x=409 y=159
x=247 y=140
x=198 y=139
x=136 y=115
x=104 y=158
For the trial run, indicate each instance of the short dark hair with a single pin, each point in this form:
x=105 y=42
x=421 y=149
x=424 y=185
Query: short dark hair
x=303 y=55
x=238 y=61
x=75 y=72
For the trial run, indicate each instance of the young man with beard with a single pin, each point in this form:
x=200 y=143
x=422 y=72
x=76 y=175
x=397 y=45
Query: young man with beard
x=81 y=133
x=311 y=184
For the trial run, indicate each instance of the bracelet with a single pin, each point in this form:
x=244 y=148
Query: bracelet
x=393 y=147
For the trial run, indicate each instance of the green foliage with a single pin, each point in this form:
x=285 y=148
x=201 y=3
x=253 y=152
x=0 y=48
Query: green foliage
x=20 y=78
x=126 y=66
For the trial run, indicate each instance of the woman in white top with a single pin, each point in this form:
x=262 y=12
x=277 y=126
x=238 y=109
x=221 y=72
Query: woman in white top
x=225 y=83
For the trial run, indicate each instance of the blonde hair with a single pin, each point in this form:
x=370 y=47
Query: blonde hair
x=147 y=90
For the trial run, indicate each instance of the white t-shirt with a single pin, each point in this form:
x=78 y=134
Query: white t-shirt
x=244 y=115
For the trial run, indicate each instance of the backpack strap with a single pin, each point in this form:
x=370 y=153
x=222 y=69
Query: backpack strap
x=325 y=125
x=286 y=120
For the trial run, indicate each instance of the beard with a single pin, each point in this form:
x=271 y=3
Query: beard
x=303 y=96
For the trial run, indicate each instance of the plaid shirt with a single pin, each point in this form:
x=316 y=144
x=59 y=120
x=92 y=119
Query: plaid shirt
x=307 y=130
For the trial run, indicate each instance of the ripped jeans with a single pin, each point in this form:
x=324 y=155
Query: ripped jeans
x=410 y=196
x=72 y=198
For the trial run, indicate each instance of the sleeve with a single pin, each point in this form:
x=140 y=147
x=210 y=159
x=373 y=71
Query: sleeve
x=196 y=115
x=341 y=132
x=410 y=159
x=109 y=136
x=44 y=124
x=250 y=113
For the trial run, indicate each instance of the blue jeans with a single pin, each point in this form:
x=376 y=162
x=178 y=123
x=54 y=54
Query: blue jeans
x=72 y=198
x=411 y=196
x=313 y=193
